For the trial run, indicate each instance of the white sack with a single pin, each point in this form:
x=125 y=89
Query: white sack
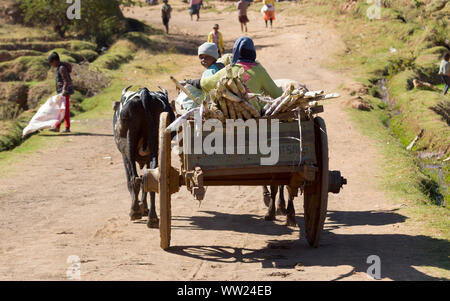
x=48 y=116
x=284 y=84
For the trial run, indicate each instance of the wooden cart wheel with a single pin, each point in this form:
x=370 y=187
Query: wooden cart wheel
x=165 y=214
x=316 y=193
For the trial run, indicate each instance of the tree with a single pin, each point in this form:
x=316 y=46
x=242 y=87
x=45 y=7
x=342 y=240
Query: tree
x=100 y=19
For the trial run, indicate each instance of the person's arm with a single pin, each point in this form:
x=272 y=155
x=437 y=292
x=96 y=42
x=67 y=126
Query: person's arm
x=194 y=82
x=222 y=47
x=209 y=83
x=269 y=86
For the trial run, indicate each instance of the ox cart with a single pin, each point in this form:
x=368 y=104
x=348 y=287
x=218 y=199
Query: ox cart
x=302 y=166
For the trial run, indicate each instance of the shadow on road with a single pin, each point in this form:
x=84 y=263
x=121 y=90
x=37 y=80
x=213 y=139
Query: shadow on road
x=243 y=223
x=77 y=134
x=399 y=253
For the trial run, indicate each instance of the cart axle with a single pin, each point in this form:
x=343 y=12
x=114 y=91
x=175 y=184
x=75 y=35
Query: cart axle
x=336 y=181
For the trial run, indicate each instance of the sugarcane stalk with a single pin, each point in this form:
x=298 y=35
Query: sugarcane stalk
x=238 y=110
x=240 y=73
x=223 y=106
x=229 y=72
x=182 y=88
x=231 y=109
x=230 y=96
x=275 y=104
x=249 y=107
x=247 y=115
x=281 y=105
x=232 y=86
x=241 y=88
x=314 y=94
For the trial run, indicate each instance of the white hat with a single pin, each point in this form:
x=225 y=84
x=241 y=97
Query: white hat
x=209 y=49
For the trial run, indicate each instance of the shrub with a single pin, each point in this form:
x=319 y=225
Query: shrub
x=101 y=19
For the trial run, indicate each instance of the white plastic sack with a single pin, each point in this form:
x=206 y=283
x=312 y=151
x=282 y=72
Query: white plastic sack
x=185 y=102
x=267 y=7
x=285 y=83
x=48 y=116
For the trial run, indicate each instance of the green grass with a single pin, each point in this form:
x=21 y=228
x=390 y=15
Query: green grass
x=135 y=59
x=418 y=45
x=368 y=58
x=402 y=177
x=14 y=32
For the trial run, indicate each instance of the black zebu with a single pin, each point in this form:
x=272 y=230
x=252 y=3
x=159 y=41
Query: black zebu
x=136 y=126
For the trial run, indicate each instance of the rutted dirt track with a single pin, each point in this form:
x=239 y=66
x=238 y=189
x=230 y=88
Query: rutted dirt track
x=72 y=200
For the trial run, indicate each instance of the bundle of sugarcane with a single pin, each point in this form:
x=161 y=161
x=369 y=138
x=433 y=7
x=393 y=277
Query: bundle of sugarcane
x=293 y=99
x=230 y=100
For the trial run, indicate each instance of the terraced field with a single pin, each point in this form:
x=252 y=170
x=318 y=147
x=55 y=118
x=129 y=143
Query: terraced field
x=26 y=78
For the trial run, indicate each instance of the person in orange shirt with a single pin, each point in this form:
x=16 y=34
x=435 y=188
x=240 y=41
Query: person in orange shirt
x=268 y=11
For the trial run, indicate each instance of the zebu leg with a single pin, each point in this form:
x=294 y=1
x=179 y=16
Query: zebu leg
x=143 y=201
x=281 y=210
x=266 y=196
x=290 y=212
x=143 y=204
x=270 y=215
x=153 y=221
x=136 y=182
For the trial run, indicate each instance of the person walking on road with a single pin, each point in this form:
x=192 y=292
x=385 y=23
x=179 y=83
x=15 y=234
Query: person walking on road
x=195 y=8
x=166 y=9
x=444 y=72
x=216 y=37
x=63 y=86
x=242 y=6
x=268 y=11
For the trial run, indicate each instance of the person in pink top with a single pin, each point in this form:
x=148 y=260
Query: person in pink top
x=195 y=8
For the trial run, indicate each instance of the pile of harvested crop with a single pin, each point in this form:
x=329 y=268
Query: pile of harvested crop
x=231 y=100
x=294 y=99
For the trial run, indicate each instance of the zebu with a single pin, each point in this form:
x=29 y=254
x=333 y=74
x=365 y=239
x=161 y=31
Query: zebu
x=136 y=125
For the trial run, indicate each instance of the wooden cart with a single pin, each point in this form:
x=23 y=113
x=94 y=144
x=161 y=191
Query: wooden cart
x=302 y=164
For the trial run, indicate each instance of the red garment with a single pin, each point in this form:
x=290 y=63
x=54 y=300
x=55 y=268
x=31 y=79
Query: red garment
x=66 y=114
x=247 y=66
x=269 y=15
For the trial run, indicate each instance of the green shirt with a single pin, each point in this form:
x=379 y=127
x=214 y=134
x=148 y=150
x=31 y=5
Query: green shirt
x=259 y=82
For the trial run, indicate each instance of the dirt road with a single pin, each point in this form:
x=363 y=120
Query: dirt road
x=73 y=200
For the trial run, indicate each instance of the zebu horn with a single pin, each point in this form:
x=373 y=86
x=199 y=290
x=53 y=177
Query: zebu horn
x=126 y=89
x=163 y=90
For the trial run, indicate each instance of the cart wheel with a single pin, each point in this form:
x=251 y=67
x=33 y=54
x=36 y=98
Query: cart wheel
x=164 y=172
x=316 y=193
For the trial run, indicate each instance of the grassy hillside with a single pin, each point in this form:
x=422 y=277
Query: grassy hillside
x=386 y=55
x=143 y=58
x=26 y=79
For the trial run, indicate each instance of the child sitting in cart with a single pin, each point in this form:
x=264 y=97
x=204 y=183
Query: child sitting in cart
x=208 y=54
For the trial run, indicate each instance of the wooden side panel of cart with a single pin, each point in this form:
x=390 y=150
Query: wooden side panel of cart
x=226 y=169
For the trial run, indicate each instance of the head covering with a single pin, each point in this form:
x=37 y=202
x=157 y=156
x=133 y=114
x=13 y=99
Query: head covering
x=244 y=51
x=209 y=49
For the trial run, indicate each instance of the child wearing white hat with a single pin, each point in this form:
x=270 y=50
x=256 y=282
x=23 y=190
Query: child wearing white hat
x=208 y=54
